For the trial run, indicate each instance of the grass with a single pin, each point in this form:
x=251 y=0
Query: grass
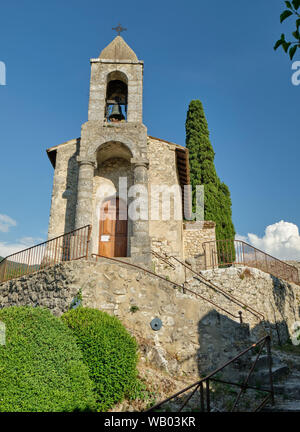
x=246 y=273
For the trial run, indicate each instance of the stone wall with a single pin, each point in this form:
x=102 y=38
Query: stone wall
x=52 y=288
x=194 y=235
x=64 y=192
x=163 y=171
x=167 y=267
x=195 y=336
x=277 y=300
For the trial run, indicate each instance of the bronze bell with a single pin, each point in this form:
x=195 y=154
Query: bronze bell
x=116 y=113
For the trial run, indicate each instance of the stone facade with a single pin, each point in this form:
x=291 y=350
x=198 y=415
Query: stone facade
x=64 y=193
x=167 y=228
x=88 y=169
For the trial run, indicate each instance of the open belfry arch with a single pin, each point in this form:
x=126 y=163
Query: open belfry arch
x=114 y=145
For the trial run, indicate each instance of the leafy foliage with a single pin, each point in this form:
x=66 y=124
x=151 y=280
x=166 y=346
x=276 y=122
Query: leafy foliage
x=217 y=204
x=41 y=366
x=290 y=46
x=109 y=351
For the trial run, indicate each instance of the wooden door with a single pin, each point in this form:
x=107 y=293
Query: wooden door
x=113 y=229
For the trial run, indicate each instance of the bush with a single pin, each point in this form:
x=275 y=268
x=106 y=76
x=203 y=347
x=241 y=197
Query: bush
x=109 y=351
x=41 y=366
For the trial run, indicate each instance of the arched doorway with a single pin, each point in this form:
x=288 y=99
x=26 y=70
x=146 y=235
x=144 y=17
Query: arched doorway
x=113 y=228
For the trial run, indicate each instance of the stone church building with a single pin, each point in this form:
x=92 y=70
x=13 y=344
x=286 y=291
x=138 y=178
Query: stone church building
x=114 y=145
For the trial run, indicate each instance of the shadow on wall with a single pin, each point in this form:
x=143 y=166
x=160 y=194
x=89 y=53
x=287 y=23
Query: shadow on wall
x=283 y=293
x=221 y=339
x=70 y=194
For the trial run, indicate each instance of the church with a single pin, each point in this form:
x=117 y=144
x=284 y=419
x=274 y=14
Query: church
x=128 y=186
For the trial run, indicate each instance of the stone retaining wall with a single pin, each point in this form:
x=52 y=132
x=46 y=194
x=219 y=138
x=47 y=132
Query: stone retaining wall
x=277 y=300
x=194 y=235
x=195 y=337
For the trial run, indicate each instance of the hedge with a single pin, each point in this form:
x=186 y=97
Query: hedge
x=41 y=366
x=109 y=351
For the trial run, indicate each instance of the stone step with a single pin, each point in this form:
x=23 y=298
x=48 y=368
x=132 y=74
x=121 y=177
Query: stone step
x=289 y=388
x=263 y=362
x=293 y=360
x=261 y=376
x=286 y=406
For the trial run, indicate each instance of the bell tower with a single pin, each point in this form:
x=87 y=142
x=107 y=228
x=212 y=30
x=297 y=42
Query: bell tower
x=116 y=83
x=114 y=129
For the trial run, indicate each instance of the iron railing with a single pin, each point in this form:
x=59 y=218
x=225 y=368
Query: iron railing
x=235 y=300
x=258 y=315
x=67 y=247
x=223 y=253
x=205 y=392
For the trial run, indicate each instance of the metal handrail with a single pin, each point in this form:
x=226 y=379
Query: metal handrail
x=265 y=253
x=226 y=251
x=258 y=315
x=73 y=245
x=198 y=385
x=170 y=282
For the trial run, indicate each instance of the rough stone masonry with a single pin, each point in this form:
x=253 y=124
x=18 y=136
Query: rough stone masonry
x=195 y=337
x=88 y=169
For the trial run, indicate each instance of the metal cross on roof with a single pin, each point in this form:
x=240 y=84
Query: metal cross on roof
x=119 y=29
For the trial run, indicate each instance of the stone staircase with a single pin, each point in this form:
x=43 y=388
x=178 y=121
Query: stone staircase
x=285 y=366
x=286 y=380
x=286 y=384
x=260 y=376
x=286 y=375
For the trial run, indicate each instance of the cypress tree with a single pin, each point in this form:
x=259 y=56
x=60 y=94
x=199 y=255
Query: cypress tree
x=217 y=201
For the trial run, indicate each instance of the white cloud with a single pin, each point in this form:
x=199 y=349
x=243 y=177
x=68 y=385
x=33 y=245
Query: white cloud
x=7 y=249
x=29 y=241
x=241 y=237
x=281 y=240
x=6 y=223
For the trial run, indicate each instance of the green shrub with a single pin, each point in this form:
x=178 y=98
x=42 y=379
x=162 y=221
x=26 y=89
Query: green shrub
x=109 y=351
x=41 y=367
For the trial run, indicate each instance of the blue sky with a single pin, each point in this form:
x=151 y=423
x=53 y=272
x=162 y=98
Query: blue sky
x=219 y=52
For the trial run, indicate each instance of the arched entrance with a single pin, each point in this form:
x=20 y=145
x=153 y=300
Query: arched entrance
x=113 y=228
